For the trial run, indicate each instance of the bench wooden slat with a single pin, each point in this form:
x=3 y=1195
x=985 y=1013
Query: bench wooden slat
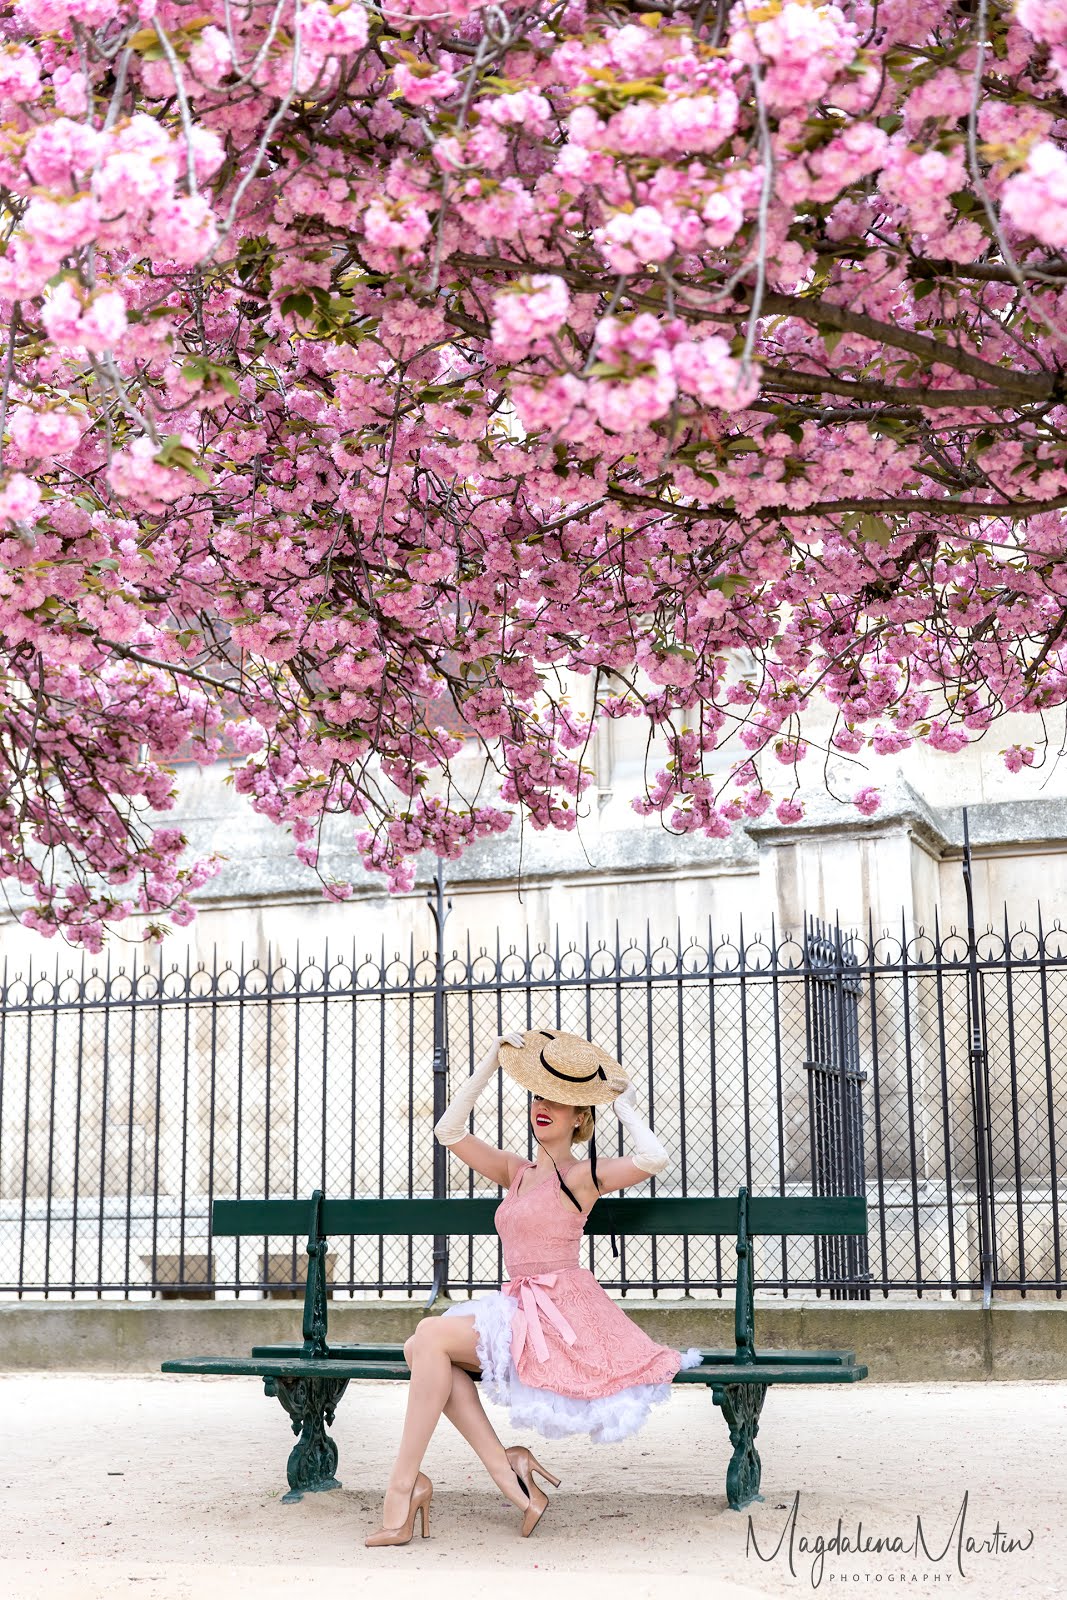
x=817 y=1215
x=667 y=1216
x=691 y=1214
x=771 y=1372
x=283 y=1367
x=715 y=1371
x=394 y=1353
x=336 y=1352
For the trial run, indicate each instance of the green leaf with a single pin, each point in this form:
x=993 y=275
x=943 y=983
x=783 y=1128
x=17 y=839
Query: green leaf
x=199 y=370
x=302 y=304
x=875 y=530
x=172 y=453
x=728 y=585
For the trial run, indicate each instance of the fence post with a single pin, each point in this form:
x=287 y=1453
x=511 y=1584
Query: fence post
x=439 y=909
x=979 y=1055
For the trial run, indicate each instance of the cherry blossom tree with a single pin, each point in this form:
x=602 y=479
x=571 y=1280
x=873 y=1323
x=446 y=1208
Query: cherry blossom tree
x=367 y=359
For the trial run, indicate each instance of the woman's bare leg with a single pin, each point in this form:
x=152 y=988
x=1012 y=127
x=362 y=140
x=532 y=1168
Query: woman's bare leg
x=430 y=1353
x=465 y=1412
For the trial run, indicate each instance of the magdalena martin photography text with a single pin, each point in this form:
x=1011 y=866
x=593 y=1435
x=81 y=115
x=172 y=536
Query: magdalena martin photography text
x=933 y=1551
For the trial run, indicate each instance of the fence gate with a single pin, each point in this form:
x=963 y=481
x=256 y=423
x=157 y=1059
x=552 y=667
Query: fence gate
x=835 y=1099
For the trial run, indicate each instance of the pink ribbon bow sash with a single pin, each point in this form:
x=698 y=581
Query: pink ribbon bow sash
x=530 y=1293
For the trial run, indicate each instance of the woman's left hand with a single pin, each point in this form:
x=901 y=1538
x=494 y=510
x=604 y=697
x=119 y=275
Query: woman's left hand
x=628 y=1097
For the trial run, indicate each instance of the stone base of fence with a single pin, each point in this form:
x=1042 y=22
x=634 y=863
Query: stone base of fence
x=902 y=1342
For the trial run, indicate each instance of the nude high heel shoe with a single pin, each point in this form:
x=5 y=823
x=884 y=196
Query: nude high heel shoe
x=524 y=1464
x=421 y=1495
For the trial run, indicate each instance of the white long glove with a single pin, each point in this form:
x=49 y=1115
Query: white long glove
x=647 y=1153
x=451 y=1126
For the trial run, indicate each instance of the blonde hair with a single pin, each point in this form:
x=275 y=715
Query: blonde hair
x=585 y=1125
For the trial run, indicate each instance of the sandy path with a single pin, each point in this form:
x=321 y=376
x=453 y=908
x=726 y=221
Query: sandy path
x=171 y=1487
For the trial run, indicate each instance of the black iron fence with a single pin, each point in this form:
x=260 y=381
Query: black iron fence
x=922 y=1071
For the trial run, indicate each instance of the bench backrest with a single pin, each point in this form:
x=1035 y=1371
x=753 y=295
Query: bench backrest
x=671 y=1215
x=746 y=1215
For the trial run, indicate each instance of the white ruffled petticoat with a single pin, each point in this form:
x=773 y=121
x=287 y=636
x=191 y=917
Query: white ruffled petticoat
x=605 y=1419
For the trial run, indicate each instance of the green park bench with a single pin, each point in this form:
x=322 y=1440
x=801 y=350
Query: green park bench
x=310 y=1378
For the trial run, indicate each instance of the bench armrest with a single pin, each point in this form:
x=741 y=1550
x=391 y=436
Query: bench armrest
x=744 y=1305
x=315 y=1312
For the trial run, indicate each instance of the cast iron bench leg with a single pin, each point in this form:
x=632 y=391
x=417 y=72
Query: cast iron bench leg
x=741 y=1404
x=311 y=1403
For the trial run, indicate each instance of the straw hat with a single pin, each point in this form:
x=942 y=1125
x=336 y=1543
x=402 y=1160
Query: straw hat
x=564 y=1067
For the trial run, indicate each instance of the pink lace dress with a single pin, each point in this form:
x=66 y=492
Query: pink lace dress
x=554 y=1350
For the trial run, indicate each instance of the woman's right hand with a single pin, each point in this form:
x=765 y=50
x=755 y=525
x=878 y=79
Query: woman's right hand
x=516 y=1039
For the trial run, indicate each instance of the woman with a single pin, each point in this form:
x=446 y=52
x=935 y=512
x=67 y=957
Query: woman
x=550 y=1345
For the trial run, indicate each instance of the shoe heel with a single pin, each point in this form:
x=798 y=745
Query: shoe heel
x=536 y=1466
x=425 y=1510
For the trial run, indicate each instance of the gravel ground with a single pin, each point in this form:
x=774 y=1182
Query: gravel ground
x=171 y=1488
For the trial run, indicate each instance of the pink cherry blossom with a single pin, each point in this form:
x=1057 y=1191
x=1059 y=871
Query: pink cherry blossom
x=789 y=811
x=706 y=369
x=523 y=316
x=399 y=364
x=74 y=325
x=137 y=475
x=424 y=89
x=210 y=56
x=20 y=74
x=60 y=153
x=20 y=500
x=634 y=238
x=1035 y=200
x=43 y=434
x=185 y=227
x=805 y=45
x=401 y=230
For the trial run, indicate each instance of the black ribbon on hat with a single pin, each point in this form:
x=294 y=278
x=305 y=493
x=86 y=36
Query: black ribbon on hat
x=568 y=1077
